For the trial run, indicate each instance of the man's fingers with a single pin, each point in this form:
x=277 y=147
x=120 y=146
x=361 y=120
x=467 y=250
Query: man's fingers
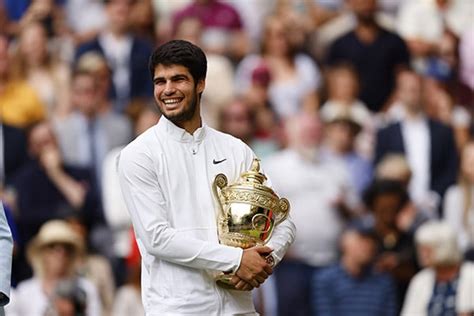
x=263 y=274
x=263 y=249
x=268 y=269
x=235 y=279
x=260 y=279
x=243 y=286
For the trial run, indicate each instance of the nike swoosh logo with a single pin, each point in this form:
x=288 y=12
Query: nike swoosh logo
x=218 y=161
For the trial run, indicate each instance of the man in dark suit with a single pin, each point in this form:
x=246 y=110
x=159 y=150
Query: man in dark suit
x=428 y=145
x=126 y=54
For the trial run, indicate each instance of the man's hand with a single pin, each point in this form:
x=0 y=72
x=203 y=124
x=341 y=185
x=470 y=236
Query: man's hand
x=253 y=269
x=50 y=159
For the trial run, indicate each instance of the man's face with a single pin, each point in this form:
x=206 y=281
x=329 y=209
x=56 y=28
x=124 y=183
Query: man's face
x=358 y=248
x=409 y=90
x=41 y=137
x=84 y=94
x=364 y=9
x=119 y=13
x=386 y=207
x=176 y=93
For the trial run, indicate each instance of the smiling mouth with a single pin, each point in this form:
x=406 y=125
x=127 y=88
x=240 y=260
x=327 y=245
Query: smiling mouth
x=172 y=102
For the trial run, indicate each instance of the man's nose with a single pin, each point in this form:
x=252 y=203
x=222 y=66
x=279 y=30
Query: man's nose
x=169 y=88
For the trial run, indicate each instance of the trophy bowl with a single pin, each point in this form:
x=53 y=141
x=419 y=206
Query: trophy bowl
x=248 y=212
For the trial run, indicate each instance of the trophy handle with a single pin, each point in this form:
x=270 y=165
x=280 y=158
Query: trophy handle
x=220 y=181
x=284 y=209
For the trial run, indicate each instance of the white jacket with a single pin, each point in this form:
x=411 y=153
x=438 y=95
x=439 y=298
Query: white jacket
x=166 y=176
x=421 y=288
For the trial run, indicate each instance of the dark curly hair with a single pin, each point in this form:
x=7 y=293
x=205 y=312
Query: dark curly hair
x=179 y=52
x=381 y=187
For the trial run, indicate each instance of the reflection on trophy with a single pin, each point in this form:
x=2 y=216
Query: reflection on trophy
x=248 y=212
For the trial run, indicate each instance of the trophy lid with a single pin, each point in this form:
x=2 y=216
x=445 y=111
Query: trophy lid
x=254 y=175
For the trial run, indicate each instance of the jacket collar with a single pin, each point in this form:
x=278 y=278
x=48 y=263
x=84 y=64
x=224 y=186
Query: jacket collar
x=180 y=134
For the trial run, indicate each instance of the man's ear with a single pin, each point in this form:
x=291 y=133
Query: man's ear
x=201 y=85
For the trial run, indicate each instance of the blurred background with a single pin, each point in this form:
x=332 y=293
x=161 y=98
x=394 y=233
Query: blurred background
x=361 y=111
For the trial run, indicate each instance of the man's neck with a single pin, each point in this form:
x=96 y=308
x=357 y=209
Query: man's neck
x=117 y=33
x=413 y=114
x=447 y=273
x=190 y=126
x=367 y=32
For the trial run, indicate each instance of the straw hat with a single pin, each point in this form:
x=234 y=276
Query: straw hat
x=338 y=113
x=52 y=232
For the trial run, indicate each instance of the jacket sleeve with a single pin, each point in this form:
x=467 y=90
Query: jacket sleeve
x=147 y=207
x=6 y=249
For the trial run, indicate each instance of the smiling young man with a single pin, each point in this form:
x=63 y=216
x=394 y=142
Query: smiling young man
x=166 y=176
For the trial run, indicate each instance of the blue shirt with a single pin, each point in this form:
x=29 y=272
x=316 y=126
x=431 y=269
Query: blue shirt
x=443 y=300
x=336 y=293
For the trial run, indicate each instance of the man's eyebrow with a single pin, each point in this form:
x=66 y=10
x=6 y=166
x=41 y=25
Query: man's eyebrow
x=173 y=77
x=179 y=76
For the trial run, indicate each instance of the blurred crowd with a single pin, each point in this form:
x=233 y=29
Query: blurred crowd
x=361 y=111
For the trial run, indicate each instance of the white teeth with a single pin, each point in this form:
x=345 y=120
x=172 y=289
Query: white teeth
x=171 y=101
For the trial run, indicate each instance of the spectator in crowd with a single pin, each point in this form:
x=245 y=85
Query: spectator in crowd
x=394 y=167
x=90 y=131
x=295 y=78
x=385 y=199
x=20 y=103
x=239 y=120
x=459 y=203
x=353 y=287
x=126 y=54
x=6 y=246
x=47 y=12
x=34 y=63
x=342 y=96
x=320 y=195
x=45 y=185
x=53 y=254
x=85 y=19
x=423 y=23
x=446 y=285
x=443 y=109
x=343 y=124
x=96 y=64
x=428 y=145
x=93 y=266
x=221 y=23
x=376 y=53
x=268 y=127
x=142 y=20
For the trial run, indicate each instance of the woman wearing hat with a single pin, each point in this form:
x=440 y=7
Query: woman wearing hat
x=53 y=255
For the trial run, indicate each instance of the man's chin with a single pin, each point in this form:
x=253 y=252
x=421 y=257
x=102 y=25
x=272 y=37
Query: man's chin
x=179 y=117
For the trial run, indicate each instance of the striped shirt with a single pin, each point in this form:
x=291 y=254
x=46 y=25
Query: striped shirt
x=336 y=293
